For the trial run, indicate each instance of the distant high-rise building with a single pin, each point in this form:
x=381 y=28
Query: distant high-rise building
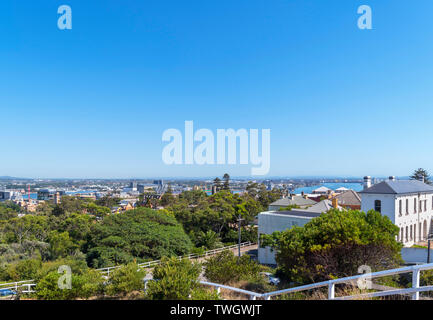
x=133 y=186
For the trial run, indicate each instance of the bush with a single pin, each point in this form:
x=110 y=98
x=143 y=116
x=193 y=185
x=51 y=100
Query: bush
x=77 y=264
x=82 y=286
x=225 y=267
x=204 y=294
x=24 y=270
x=126 y=279
x=175 y=279
x=335 y=245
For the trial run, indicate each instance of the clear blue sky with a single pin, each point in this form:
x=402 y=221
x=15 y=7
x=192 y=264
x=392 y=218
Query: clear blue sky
x=94 y=101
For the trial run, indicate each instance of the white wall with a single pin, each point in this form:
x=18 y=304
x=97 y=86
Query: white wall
x=411 y=220
x=269 y=222
x=388 y=204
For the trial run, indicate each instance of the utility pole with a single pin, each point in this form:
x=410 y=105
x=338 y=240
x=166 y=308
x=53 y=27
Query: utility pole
x=239 y=236
x=429 y=238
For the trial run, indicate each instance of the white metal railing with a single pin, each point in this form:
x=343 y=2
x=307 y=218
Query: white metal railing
x=27 y=286
x=150 y=264
x=414 y=291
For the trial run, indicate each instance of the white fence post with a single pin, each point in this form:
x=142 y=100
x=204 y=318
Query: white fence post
x=331 y=290
x=415 y=283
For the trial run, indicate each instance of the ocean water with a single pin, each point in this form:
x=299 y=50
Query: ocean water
x=354 y=186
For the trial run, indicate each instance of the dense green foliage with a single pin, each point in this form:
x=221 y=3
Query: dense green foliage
x=335 y=244
x=83 y=234
x=141 y=234
x=176 y=279
x=225 y=267
x=126 y=279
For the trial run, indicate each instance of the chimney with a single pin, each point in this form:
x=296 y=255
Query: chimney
x=335 y=202
x=391 y=178
x=367 y=182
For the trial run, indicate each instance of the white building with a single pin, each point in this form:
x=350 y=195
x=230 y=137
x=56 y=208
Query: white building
x=271 y=221
x=407 y=203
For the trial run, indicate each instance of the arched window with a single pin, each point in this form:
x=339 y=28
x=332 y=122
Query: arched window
x=378 y=205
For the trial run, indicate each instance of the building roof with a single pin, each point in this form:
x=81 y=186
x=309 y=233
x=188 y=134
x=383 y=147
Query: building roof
x=321 y=189
x=349 y=198
x=322 y=206
x=294 y=200
x=342 y=189
x=398 y=187
x=294 y=213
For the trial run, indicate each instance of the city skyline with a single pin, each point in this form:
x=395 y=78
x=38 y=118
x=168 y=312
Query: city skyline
x=94 y=101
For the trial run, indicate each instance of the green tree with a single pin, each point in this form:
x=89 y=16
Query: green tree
x=167 y=198
x=142 y=234
x=226 y=178
x=335 y=245
x=422 y=175
x=61 y=245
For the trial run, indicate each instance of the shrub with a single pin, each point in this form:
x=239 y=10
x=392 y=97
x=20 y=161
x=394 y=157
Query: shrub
x=82 y=286
x=174 y=279
x=126 y=279
x=24 y=270
x=225 y=267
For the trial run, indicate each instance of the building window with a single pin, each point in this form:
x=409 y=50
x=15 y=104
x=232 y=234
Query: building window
x=378 y=205
x=407 y=206
x=420 y=206
x=400 y=209
x=414 y=205
x=425 y=205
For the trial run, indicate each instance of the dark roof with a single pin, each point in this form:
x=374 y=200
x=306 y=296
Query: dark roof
x=399 y=187
x=299 y=213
